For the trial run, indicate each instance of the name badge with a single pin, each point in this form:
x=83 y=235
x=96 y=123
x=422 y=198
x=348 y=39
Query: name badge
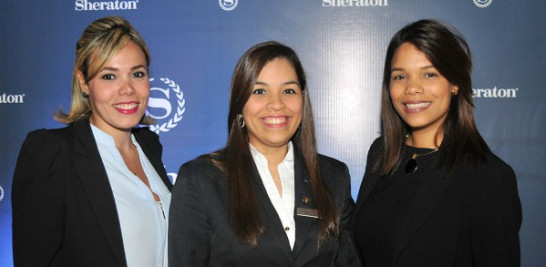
x=311 y=213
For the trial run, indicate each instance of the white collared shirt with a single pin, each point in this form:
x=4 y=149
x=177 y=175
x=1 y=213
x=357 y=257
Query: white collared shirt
x=284 y=205
x=143 y=221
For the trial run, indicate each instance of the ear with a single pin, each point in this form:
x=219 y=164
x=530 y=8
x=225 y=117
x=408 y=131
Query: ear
x=454 y=90
x=82 y=82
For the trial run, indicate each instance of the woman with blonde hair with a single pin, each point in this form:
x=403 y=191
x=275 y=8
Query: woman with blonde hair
x=95 y=193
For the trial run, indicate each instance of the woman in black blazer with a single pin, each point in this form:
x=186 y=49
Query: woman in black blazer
x=433 y=193
x=267 y=198
x=95 y=193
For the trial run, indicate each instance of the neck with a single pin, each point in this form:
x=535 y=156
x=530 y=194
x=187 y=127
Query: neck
x=122 y=138
x=274 y=155
x=425 y=139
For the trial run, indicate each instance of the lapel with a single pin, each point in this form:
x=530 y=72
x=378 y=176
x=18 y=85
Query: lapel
x=274 y=228
x=426 y=200
x=92 y=175
x=153 y=153
x=303 y=199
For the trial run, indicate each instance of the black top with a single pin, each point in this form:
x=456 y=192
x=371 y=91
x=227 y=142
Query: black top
x=386 y=207
x=470 y=218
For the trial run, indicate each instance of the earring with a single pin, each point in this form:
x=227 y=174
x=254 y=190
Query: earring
x=240 y=120
x=85 y=95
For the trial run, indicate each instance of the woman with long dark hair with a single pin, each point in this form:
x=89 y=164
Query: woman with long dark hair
x=268 y=198
x=433 y=193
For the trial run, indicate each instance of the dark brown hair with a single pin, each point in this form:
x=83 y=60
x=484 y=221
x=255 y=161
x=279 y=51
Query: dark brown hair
x=449 y=53
x=235 y=157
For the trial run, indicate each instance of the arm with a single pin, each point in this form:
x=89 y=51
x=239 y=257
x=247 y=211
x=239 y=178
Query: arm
x=497 y=220
x=189 y=233
x=37 y=201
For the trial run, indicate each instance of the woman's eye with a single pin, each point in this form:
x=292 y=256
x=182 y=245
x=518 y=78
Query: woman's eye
x=431 y=75
x=289 y=91
x=258 y=91
x=108 y=76
x=139 y=74
x=398 y=77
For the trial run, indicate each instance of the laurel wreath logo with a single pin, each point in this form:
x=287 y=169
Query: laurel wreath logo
x=165 y=127
x=1 y=193
x=228 y=5
x=482 y=3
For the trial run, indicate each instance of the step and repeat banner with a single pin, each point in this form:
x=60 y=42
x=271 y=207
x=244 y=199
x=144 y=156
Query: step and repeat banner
x=195 y=45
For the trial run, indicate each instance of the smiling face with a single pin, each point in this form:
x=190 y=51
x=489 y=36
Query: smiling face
x=419 y=93
x=118 y=94
x=274 y=110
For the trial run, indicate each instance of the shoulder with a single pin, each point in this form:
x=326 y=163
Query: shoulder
x=199 y=175
x=493 y=169
x=47 y=139
x=376 y=147
x=199 y=168
x=333 y=171
x=490 y=179
x=329 y=162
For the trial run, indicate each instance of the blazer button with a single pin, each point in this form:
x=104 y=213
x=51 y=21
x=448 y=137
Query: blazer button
x=287 y=228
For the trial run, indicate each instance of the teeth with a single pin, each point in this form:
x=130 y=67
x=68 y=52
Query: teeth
x=275 y=120
x=126 y=106
x=419 y=105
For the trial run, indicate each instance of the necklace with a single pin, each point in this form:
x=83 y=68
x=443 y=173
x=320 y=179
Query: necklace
x=411 y=165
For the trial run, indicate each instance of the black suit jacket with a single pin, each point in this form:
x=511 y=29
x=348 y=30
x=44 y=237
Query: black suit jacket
x=64 y=212
x=469 y=219
x=200 y=233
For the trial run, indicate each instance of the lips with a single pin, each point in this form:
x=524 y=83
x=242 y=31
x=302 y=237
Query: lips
x=278 y=121
x=127 y=108
x=416 y=106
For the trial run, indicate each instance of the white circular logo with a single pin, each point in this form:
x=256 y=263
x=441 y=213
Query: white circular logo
x=164 y=95
x=1 y=193
x=228 y=5
x=482 y=3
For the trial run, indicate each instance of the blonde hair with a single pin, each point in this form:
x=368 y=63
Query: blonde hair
x=102 y=39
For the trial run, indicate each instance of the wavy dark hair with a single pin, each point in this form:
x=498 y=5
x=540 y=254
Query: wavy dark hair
x=449 y=53
x=235 y=157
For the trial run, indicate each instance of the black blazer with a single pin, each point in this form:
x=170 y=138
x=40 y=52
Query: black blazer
x=64 y=213
x=200 y=233
x=469 y=219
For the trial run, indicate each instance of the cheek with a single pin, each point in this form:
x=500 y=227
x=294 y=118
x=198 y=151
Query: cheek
x=144 y=89
x=395 y=92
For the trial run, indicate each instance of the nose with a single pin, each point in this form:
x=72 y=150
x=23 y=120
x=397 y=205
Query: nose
x=126 y=88
x=275 y=102
x=414 y=86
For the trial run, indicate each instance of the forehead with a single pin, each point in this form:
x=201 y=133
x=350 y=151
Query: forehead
x=277 y=68
x=408 y=54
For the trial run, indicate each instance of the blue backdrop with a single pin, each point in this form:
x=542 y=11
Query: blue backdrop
x=195 y=45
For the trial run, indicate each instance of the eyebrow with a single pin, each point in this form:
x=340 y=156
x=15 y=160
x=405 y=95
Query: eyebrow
x=285 y=83
x=401 y=69
x=133 y=68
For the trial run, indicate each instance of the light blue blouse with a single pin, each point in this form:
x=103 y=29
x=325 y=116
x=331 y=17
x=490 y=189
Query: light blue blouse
x=143 y=220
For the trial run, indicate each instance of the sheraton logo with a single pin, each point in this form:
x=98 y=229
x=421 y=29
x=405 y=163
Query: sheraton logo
x=12 y=99
x=482 y=3
x=495 y=92
x=166 y=104
x=85 y=5
x=355 y=3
